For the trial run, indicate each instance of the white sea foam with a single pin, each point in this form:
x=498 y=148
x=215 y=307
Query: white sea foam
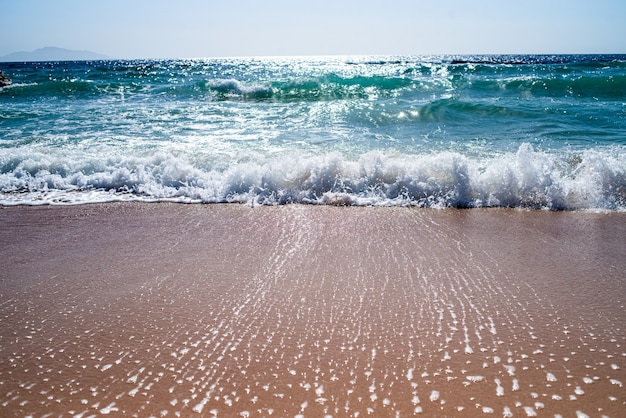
x=499 y=388
x=108 y=409
x=236 y=88
x=595 y=179
x=434 y=395
x=530 y=412
x=516 y=386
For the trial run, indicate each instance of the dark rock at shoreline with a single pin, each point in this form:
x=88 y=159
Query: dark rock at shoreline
x=4 y=81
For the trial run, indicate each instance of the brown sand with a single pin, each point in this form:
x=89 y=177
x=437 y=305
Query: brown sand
x=201 y=310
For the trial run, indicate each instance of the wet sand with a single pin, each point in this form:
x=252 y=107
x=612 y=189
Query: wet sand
x=172 y=310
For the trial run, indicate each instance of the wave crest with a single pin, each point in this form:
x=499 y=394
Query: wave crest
x=593 y=179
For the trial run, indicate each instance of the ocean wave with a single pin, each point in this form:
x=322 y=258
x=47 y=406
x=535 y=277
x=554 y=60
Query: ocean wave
x=592 y=60
x=592 y=179
x=333 y=87
x=609 y=87
x=301 y=80
x=324 y=88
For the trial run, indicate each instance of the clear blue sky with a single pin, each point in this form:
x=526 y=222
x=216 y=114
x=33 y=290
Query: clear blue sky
x=213 y=28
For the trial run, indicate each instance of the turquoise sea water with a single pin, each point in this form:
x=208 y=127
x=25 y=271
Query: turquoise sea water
x=467 y=131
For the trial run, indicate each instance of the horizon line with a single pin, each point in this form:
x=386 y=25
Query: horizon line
x=298 y=56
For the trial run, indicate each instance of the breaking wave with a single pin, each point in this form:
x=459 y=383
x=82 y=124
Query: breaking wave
x=592 y=179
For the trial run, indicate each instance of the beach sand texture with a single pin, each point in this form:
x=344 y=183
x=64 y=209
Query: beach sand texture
x=171 y=310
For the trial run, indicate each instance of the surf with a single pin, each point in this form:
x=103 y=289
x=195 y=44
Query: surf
x=543 y=132
x=528 y=178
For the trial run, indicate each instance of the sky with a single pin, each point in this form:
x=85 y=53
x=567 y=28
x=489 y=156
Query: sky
x=229 y=28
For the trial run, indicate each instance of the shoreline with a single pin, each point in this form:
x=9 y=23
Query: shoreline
x=231 y=310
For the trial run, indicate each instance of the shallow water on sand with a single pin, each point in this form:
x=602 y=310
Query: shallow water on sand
x=169 y=310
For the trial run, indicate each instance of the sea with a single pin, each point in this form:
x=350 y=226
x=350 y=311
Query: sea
x=541 y=132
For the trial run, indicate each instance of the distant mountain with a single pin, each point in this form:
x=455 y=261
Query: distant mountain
x=53 y=54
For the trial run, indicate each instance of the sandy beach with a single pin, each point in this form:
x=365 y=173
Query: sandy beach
x=172 y=310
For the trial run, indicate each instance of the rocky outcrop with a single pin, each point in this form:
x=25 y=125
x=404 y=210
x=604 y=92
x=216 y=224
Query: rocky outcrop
x=4 y=81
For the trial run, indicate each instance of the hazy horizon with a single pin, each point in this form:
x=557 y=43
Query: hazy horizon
x=244 y=28
x=53 y=53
